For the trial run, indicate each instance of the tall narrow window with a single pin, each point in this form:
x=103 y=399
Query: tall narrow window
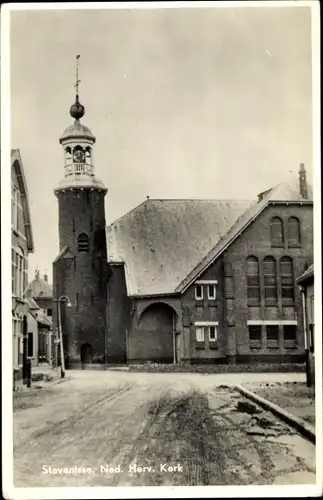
x=276 y=232
x=294 y=232
x=287 y=281
x=199 y=332
x=83 y=244
x=253 y=283
x=270 y=281
x=198 y=292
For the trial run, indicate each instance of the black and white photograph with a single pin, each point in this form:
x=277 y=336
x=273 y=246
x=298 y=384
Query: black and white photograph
x=160 y=181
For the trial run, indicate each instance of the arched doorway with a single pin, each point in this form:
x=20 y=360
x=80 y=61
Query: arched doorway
x=86 y=354
x=153 y=338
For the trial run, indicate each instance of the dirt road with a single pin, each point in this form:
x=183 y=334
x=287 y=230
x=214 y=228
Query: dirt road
x=114 y=428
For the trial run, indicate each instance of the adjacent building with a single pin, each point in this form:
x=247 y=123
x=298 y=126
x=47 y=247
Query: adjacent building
x=183 y=281
x=21 y=245
x=39 y=345
x=306 y=286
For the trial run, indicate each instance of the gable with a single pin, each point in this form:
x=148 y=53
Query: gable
x=284 y=193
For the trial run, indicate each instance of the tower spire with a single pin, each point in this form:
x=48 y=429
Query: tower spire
x=77 y=110
x=77 y=82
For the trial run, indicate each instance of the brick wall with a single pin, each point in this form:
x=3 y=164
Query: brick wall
x=118 y=315
x=232 y=311
x=82 y=276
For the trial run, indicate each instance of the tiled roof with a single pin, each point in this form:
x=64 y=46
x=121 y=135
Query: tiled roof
x=161 y=241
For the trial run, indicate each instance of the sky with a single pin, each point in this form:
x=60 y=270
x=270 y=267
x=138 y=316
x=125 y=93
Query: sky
x=184 y=103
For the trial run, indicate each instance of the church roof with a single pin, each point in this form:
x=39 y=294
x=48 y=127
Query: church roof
x=161 y=241
x=166 y=244
x=40 y=288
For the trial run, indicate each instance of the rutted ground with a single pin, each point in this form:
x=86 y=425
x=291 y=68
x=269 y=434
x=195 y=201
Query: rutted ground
x=202 y=432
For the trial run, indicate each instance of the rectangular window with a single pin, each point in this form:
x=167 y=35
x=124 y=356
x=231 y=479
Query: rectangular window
x=289 y=336
x=255 y=339
x=198 y=292
x=213 y=334
x=272 y=335
x=211 y=292
x=49 y=313
x=30 y=345
x=199 y=331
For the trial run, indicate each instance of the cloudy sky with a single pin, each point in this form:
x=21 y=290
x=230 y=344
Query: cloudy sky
x=184 y=103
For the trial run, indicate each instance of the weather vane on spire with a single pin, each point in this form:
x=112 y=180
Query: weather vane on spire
x=77 y=74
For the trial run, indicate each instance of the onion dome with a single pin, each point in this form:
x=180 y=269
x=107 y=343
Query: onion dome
x=77 y=110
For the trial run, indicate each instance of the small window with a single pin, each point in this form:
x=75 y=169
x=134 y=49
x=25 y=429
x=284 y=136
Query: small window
x=255 y=335
x=83 y=244
x=289 y=336
x=198 y=292
x=294 y=232
x=272 y=335
x=211 y=292
x=199 y=331
x=276 y=232
x=30 y=345
x=49 y=313
x=213 y=334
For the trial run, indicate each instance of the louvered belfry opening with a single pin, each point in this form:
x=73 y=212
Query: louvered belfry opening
x=83 y=244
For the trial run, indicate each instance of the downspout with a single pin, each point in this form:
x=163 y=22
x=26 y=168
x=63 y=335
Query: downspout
x=303 y=293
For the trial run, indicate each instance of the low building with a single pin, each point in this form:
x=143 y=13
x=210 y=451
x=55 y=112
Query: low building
x=21 y=245
x=39 y=335
x=42 y=292
x=306 y=285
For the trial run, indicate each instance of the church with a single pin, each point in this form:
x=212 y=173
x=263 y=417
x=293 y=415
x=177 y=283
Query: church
x=178 y=281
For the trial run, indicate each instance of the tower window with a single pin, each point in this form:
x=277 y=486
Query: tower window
x=294 y=232
x=83 y=244
x=276 y=232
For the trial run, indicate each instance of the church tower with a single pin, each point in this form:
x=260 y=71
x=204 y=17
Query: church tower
x=80 y=271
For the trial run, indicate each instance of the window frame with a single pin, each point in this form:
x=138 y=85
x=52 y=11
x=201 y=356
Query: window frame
x=269 y=299
x=202 y=291
x=201 y=330
x=277 y=242
x=213 y=287
x=15 y=211
x=293 y=243
x=286 y=301
x=215 y=339
x=273 y=343
x=251 y=299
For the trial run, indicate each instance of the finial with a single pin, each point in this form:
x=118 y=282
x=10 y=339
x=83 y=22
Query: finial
x=77 y=110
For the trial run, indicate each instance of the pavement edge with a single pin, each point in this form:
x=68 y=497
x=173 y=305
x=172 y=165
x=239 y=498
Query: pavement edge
x=300 y=425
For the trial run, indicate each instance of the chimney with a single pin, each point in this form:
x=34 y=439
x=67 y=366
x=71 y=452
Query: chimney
x=46 y=278
x=302 y=182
